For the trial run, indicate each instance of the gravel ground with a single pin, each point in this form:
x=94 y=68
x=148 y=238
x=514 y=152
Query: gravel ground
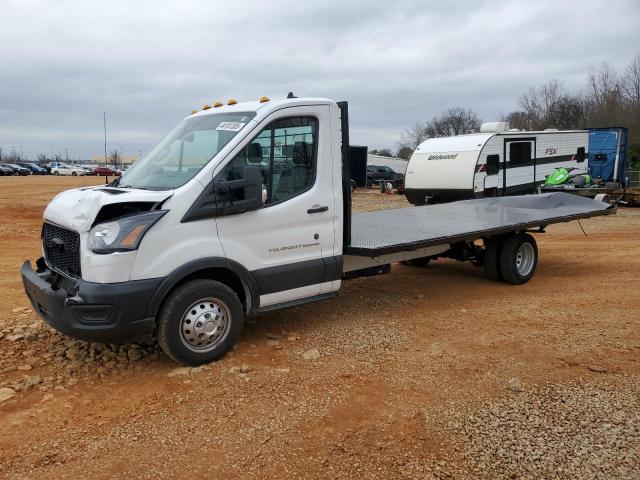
x=558 y=431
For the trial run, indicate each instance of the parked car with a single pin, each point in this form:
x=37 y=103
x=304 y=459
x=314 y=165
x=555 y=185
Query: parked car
x=51 y=165
x=376 y=174
x=63 y=169
x=35 y=169
x=104 y=171
x=5 y=170
x=17 y=169
x=88 y=170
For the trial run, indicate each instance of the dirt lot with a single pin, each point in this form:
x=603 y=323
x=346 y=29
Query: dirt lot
x=430 y=372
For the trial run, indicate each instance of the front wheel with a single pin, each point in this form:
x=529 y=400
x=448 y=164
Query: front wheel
x=74 y=174
x=200 y=322
x=56 y=173
x=518 y=259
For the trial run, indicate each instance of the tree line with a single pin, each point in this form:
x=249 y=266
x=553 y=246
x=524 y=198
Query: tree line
x=610 y=98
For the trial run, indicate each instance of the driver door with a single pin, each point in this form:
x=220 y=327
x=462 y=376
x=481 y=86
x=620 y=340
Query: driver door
x=288 y=244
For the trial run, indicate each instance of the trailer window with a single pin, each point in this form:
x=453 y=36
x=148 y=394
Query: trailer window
x=285 y=151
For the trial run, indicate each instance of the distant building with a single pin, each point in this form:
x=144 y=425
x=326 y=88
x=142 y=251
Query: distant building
x=396 y=164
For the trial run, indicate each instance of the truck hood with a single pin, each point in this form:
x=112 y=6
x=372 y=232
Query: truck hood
x=77 y=209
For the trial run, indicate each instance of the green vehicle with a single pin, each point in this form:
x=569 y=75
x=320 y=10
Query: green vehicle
x=563 y=176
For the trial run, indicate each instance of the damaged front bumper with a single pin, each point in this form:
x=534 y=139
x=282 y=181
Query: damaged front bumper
x=96 y=312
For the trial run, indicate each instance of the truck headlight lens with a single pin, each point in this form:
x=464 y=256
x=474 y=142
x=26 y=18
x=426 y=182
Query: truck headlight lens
x=124 y=234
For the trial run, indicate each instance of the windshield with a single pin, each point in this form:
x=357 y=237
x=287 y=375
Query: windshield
x=179 y=156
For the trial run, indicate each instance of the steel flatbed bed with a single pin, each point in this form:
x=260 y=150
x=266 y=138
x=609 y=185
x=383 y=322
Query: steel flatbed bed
x=405 y=229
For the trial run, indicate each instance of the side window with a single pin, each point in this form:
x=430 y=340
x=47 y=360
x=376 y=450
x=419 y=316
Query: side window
x=580 y=155
x=285 y=152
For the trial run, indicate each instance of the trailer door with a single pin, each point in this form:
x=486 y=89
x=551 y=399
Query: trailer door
x=519 y=173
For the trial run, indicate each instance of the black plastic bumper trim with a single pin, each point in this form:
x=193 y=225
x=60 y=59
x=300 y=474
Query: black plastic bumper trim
x=90 y=311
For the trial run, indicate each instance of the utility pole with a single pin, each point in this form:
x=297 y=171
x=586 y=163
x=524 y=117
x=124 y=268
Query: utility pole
x=104 y=118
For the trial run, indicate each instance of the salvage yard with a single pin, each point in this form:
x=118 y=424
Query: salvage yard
x=436 y=372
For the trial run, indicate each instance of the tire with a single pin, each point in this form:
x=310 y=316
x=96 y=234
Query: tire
x=56 y=173
x=188 y=305
x=418 y=262
x=518 y=258
x=74 y=174
x=491 y=257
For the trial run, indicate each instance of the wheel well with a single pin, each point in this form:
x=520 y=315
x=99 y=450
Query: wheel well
x=222 y=275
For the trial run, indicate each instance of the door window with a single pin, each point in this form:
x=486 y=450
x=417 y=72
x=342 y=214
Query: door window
x=520 y=154
x=285 y=152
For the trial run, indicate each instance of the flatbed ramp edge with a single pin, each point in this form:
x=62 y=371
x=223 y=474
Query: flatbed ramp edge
x=404 y=229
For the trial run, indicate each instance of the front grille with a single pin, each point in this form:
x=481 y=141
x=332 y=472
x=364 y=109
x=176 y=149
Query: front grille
x=61 y=249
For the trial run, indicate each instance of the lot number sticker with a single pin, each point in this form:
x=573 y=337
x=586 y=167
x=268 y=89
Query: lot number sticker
x=230 y=126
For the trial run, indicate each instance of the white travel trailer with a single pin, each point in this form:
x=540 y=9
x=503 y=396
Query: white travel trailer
x=495 y=162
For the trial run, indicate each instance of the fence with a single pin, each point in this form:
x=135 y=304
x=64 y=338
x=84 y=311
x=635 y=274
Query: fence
x=634 y=178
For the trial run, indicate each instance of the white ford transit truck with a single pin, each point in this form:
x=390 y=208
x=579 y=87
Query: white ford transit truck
x=246 y=208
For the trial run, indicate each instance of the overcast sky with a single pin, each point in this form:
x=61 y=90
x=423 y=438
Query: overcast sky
x=149 y=63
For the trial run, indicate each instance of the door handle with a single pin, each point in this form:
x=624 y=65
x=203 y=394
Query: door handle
x=317 y=209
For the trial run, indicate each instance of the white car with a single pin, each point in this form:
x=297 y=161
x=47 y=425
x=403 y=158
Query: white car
x=63 y=169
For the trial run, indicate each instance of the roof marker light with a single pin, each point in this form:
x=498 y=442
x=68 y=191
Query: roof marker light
x=193 y=112
x=264 y=99
x=217 y=104
x=206 y=107
x=232 y=101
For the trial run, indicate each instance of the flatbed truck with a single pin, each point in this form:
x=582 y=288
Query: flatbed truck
x=245 y=208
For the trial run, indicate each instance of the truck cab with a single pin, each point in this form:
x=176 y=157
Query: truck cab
x=249 y=192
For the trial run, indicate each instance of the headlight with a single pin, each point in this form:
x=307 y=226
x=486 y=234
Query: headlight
x=122 y=235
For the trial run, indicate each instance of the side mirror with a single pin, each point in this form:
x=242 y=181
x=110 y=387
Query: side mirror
x=242 y=195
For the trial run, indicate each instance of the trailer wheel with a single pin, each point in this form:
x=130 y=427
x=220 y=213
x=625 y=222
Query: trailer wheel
x=518 y=258
x=199 y=322
x=491 y=262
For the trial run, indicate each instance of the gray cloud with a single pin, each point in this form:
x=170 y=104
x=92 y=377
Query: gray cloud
x=149 y=63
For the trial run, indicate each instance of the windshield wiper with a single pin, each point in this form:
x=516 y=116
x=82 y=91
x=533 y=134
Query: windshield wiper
x=137 y=188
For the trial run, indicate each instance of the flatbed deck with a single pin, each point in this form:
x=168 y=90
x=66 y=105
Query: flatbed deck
x=405 y=229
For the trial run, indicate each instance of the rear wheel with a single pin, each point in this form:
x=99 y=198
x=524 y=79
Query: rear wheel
x=518 y=258
x=74 y=174
x=199 y=322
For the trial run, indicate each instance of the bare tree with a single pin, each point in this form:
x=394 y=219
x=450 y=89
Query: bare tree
x=404 y=153
x=412 y=137
x=548 y=106
x=1 y=150
x=42 y=157
x=385 y=152
x=455 y=121
x=604 y=102
x=115 y=158
x=58 y=158
x=631 y=82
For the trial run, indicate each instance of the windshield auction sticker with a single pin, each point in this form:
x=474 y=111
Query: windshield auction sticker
x=230 y=126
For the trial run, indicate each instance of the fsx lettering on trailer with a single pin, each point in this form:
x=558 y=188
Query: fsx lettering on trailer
x=246 y=208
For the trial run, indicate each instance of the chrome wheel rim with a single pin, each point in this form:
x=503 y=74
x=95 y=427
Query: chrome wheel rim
x=524 y=259
x=205 y=324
